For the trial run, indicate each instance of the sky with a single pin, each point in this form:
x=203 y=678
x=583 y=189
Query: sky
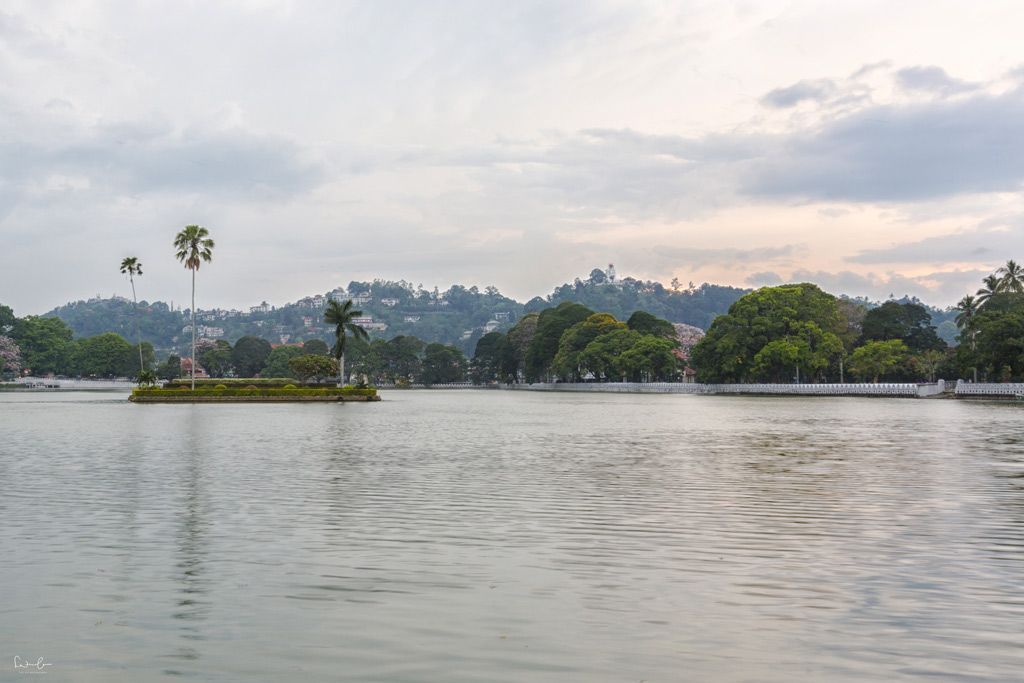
x=874 y=148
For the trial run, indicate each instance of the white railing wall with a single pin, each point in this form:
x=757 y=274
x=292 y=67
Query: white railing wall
x=989 y=388
x=907 y=390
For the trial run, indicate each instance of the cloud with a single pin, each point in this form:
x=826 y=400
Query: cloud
x=942 y=286
x=899 y=153
x=696 y=257
x=130 y=158
x=764 y=279
x=815 y=91
x=984 y=244
x=931 y=79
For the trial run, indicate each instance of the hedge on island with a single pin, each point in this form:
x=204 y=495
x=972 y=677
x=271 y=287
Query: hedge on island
x=234 y=382
x=252 y=390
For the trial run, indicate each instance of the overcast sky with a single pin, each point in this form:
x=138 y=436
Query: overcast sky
x=872 y=147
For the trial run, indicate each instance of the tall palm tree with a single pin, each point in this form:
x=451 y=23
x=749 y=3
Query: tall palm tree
x=132 y=266
x=1012 y=277
x=341 y=315
x=193 y=246
x=966 y=308
x=993 y=286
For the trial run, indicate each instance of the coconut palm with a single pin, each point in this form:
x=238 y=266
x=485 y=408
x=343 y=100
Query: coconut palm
x=341 y=315
x=1012 y=277
x=132 y=266
x=993 y=286
x=193 y=246
x=966 y=308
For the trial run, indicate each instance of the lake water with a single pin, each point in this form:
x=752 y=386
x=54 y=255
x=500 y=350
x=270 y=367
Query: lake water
x=513 y=536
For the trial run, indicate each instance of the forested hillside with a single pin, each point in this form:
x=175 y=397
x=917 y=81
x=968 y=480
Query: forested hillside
x=458 y=316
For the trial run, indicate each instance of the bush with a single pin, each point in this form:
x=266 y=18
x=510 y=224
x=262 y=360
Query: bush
x=251 y=390
x=220 y=387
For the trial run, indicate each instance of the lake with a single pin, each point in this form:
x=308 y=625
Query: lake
x=513 y=536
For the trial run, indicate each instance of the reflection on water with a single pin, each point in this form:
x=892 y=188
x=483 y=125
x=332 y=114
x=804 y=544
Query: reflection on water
x=500 y=536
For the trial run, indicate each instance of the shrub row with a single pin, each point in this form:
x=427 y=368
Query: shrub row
x=234 y=381
x=252 y=390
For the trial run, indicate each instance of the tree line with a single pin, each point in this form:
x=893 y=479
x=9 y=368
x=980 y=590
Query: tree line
x=46 y=345
x=570 y=342
x=991 y=326
x=800 y=333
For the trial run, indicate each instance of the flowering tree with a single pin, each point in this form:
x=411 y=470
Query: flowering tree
x=10 y=355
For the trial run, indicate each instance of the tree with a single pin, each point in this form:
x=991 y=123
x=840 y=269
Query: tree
x=312 y=366
x=992 y=286
x=250 y=355
x=216 y=357
x=650 y=359
x=341 y=315
x=1000 y=335
x=192 y=247
x=966 y=310
x=1012 y=277
x=930 y=362
x=45 y=343
x=170 y=368
x=316 y=346
x=488 y=358
x=402 y=361
x=801 y=314
x=875 y=358
x=131 y=266
x=277 y=362
x=576 y=338
x=645 y=323
x=104 y=355
x=909 y=322
x=513 y=358
x=146 y=378
x=601 y=357
x=7 y=319
x=551 y=324
x=442 y=365
x=10 y=356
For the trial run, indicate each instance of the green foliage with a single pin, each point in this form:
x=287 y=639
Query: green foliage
x=601 y=356
x=645 y=323
x=488 y=358
x=250 y=355
x=233 y=382
x=277 y=362
x=170 y=368
x=876 y=358
x=45 y=344
x=551 y=325
x=442 y=365
x=105 y=355
x=215 y=358
x=566 y=363
x=310 y=366
x=650 y=359
x=803 y=319
x=909 y=322
x=228 y=391
x=7 y=319
x=315 y=347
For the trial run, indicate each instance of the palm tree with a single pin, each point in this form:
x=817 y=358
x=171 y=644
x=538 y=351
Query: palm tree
x=967 y=307
x=131 y=266
x=993 y=286
x=341 y=315
x=1013 y=277
x=193 y=246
